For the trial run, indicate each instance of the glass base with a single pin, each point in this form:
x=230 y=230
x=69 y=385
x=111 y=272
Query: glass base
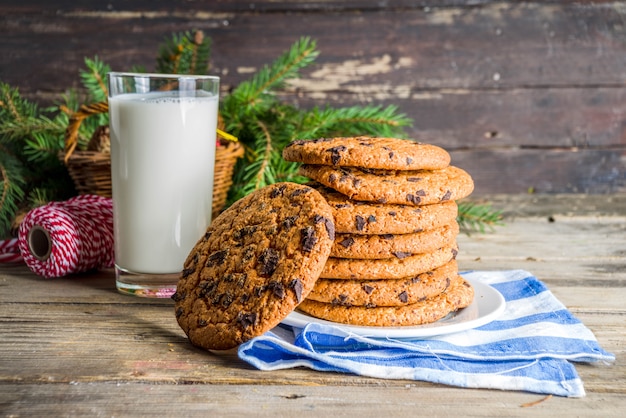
x=146 y=285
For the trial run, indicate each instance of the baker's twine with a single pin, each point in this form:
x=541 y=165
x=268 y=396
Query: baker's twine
x=62 y=238
x=10 y=251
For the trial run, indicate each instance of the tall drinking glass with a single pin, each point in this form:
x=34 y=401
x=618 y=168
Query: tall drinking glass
x=163 y=133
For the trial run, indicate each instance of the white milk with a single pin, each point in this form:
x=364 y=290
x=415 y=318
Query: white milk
x=162 y=161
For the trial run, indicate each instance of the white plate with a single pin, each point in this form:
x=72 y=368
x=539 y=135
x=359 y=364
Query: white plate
x=488 y=304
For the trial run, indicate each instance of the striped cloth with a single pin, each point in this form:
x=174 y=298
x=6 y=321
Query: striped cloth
x=530 y=347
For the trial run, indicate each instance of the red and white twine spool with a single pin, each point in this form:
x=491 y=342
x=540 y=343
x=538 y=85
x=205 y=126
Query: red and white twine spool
x=10 y=251
x=67 y=237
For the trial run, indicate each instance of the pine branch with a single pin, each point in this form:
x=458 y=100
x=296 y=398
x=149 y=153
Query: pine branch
x=477 y=217
x=12 y=189
x=356 y=120
x=185 y=53
x=253 y=94
x=94 y=79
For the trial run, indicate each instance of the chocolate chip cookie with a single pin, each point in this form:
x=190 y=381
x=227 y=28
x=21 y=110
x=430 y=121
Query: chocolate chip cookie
x=387 y=268
x=354 y=217
x=361 y=151
x=421 y=187
x=371 y=293
x=459 y=295
x=257 y=261
x=393 y=245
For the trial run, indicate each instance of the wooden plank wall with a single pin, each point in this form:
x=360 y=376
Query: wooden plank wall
x=525 y=95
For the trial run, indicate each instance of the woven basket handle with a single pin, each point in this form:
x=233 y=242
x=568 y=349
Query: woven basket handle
x=71 y=133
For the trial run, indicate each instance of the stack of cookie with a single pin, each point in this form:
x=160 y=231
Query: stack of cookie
x=394 y=205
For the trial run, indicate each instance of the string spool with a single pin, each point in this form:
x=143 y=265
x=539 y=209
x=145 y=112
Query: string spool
x=73 y=236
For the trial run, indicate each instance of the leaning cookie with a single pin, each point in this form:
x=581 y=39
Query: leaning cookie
x=371 y=293
x=354 y=217
x=459 y=295
x=396 y=187
x=257 y=261
x=388 y=268
x=393 y=245
x=361 y=151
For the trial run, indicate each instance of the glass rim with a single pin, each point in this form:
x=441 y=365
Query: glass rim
x=163 y=76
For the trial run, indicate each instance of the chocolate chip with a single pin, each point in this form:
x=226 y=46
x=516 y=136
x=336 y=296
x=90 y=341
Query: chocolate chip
x=370 y=305
x=177 y=297
x=269 y=261
x=246 y=320
x=227 y=299
x=329 y=224
x=179 y=312
x=371 y=219
x=391 y=154
x=367 y=289
x=454 y=253
x=296 y=286
x=244 y=298
x=346 y=242
x=413 y=179
x=248 y=254
x=387 y=236
x=217 y=258
x=335 y=153
x=360 y=223
x=278 y=191
x=401 y=254
x=392 y=213
x=308 y=239
x=299 y=192
x=446 y=196
x=187 y=272
x=217 y=299
x=404 y=297
x=413 y=199
x=258 y=291
x=409 y=160
x=206 y=288
x=289 y=222
x=277 y=289
x=332 y=178
x=356 y=182
x=421 y=192
x=244 y=232
x=343 y=206
x=202 y=322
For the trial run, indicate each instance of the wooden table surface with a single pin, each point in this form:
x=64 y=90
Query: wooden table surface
x=73 y=346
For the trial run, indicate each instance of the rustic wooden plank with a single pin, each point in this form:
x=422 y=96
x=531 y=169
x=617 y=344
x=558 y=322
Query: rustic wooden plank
x=141 y=399
x=591 y=171
x=498 y=45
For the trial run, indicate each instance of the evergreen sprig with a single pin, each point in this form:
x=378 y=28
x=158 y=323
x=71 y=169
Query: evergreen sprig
x=255 y=115
x=477 y=217
x=184 y=53
x=30 y=139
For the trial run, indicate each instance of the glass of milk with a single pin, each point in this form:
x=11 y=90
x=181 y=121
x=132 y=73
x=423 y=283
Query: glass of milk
x=163 y=133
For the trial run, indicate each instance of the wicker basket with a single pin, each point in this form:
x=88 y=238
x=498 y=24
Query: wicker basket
x=91 y=170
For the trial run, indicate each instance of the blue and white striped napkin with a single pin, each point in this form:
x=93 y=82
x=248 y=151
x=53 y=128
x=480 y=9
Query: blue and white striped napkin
x=530 y=347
